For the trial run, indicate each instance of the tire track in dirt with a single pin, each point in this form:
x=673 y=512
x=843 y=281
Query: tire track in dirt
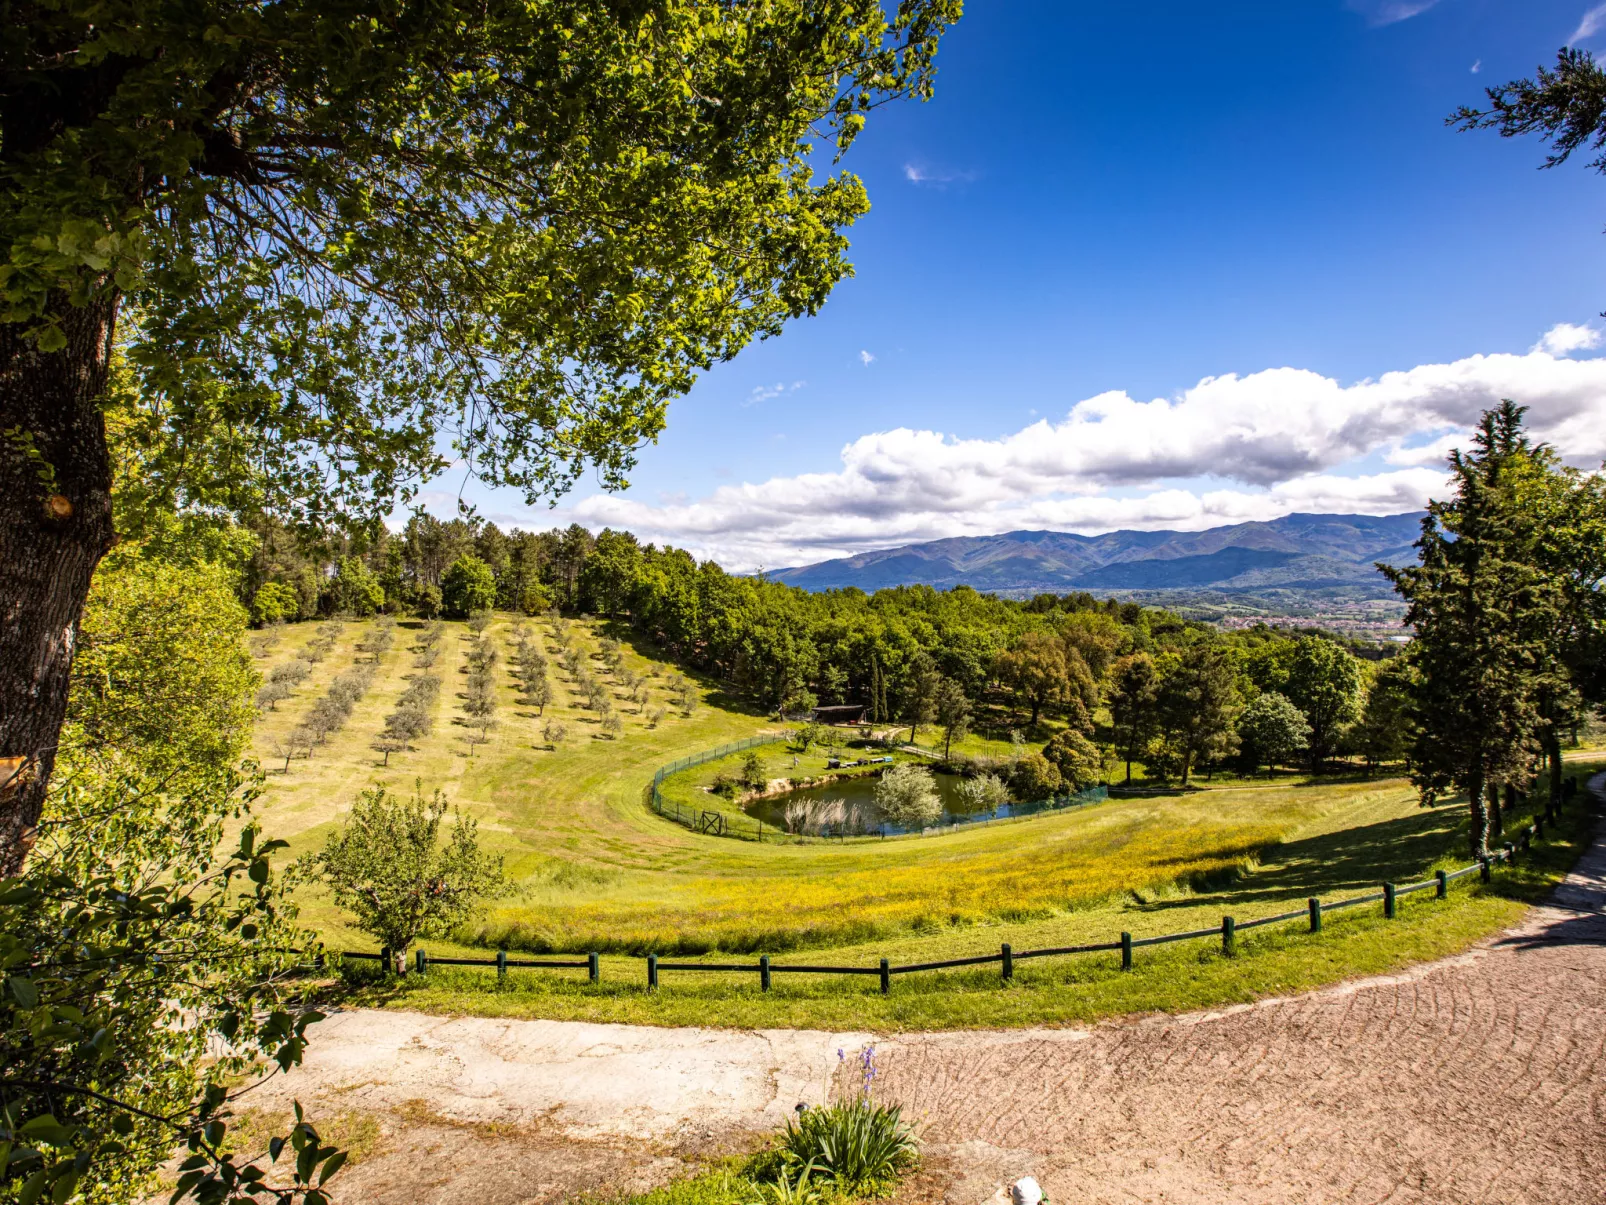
x=1479 y=1078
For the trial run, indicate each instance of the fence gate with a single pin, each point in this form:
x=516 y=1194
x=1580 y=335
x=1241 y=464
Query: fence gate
x=711 y=822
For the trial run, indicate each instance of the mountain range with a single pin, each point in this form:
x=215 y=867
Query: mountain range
x=1315 y=556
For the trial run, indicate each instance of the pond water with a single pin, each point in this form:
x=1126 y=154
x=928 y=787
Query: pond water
x=810 y=811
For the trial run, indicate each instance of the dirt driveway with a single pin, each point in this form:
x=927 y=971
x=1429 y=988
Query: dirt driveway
x=1477 y=1079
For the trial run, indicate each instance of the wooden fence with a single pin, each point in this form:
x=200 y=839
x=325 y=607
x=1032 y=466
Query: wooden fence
x=765 y=968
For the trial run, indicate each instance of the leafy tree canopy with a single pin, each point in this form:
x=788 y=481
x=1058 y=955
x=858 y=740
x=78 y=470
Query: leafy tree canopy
x=346 y=230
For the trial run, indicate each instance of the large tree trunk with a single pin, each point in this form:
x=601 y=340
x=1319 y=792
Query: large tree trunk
x=55 y=525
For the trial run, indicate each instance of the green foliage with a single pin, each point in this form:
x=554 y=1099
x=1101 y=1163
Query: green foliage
x=1035 y=777
x=1385 y=732
x=355 y=590
x=907 y=795
x=1195 y=702
x=388 y=867
x=337 y=253
x=859 y=1147
x=132 y=942
x=1076 y=758
x=275 y=602
x=1134 y=706
x=951 y=710
x=1271 y=730
x=467 y=587
x=983 y=793
x=1324 y=683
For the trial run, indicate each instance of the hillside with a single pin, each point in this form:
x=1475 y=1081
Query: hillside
x=1316 y=556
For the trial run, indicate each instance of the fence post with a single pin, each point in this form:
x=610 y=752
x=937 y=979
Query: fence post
x=1009 y=962
x=1443 y=892
x=1229 y=934
x=501 y=964
x=764 y=972
x=886 y=978
x=1483 y=870
x=593 y=967
x=1388 y=901
x=420 y=960
x=1511 y=853
x=1126 y=951
x=384 y=960
x=652 y=972
x=1315 y=906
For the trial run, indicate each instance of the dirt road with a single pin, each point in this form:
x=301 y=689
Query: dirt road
x=1481 y=1078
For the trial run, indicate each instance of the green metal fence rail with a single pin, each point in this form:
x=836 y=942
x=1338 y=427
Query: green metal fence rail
x=1006 y=957
x=722 y=824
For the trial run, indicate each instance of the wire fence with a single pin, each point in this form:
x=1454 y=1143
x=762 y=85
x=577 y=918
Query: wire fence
x=1312 y=914
x=719 y=823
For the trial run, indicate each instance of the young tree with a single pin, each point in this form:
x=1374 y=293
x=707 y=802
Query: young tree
x=1272 y=730
x=271 y=695
x=983 y=793
x=1385 y=730
x=921 y=686
x=612 y=725
x=951 y=710
x=388 y=866
x=906 y=794
x=554 y=732
x=1134 y=709
x=1324 y=683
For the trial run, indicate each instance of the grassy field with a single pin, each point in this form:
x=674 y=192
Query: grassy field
x=596 y=870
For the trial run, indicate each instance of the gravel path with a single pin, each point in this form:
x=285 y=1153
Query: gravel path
x=1481 y=1078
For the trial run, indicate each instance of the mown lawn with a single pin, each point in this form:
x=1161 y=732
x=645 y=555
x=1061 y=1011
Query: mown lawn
x=596 y=870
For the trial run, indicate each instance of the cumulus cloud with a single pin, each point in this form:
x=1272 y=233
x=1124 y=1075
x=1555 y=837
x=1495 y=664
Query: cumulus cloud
x=1388 y=12
x=1589 y=24
x=1564 y=338
x=1230 y=449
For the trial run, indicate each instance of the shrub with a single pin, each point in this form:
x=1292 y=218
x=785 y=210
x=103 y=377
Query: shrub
x=857 y=1146
x=1076 y=758
x=1036 y=777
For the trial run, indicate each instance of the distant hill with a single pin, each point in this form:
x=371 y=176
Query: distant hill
x=1297 y=556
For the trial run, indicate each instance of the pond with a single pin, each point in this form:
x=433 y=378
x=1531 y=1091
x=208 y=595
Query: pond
x=809 y=809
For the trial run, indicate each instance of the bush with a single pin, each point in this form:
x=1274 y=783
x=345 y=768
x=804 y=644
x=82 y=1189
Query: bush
x=1036 y=778
x=1076 y=758
x=983 y=793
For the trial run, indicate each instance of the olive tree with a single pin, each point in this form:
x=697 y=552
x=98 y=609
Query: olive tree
x=390 y=868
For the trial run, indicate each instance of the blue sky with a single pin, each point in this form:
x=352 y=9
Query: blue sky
x=1107 y=204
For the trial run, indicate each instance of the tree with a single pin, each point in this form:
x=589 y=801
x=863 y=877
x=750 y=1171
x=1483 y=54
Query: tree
x=1197 y=695
x=1384 y=732
x=467 y=587
x=1324 y=683
x=952 y=713
x=147 y=960
x=554 y=732
x=1480 y=609
x=906 y=794
x=1272 y=730
x=387 y=865
x=1035 y=777
x=983 y=793
x=921 y=688
x=1134 y=695
x=355 y=590
x=1076 y=758
x=1035 y=668
x=274 y=602
x=324 y=251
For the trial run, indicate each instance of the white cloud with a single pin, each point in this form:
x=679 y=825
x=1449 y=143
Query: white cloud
x=1564 y=338
x=866 y=358
x=765 y=393
x=1477 y=67
x=1387 y=12
x=916 y=174
x=1229 y=449
x=1590 y=24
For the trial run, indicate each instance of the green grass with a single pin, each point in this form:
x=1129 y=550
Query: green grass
x=596 y=870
